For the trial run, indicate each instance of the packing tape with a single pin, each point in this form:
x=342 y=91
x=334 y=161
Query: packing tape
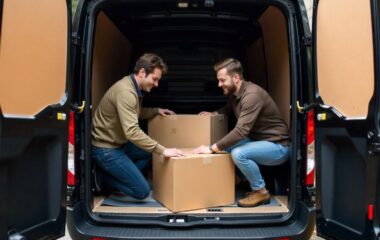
x=207 y=160
x=162 y=158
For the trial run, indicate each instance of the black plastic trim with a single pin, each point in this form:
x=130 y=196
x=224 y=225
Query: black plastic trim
x=289 y=12
x=82 y=228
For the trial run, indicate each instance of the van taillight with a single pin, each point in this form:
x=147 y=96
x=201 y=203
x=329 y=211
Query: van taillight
x=310 y=164
x=71 y=153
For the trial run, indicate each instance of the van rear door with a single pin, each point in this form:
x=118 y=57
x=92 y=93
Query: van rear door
x=34 y=106
x=346 y=60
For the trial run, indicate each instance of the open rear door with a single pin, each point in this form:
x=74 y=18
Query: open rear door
x=34 y=105
x=346 y=60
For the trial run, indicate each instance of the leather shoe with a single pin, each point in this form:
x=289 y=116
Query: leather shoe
x=254 y=199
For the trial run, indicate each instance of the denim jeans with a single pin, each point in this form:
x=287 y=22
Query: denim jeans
x=121 y=168
x=248 y=154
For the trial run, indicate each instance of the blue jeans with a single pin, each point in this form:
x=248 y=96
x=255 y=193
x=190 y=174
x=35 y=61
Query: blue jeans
x=248 y=154
x=120 y=168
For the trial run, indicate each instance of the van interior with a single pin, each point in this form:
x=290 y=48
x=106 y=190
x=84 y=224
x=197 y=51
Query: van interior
x=191 y=37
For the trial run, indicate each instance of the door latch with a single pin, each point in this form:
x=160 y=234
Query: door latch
x=305 y=107
x=78 y=108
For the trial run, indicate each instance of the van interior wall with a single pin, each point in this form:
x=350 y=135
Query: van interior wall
x=112 y=54
x=268 y=60
x=32 y=67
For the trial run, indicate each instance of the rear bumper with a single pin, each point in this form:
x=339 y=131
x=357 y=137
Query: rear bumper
x=301 y=227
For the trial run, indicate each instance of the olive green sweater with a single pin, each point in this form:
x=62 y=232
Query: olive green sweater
x=116 y=118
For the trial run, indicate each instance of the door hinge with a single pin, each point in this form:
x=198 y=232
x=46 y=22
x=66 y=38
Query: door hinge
x=374 y=147
x=75 y=39
x=306 y=41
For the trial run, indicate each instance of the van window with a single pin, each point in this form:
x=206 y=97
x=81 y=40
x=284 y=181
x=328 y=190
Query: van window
x=345 y=60
x=33 y=54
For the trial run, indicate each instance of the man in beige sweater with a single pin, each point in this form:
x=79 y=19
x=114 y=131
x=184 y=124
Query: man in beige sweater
x=120 y=148
x=260 y=136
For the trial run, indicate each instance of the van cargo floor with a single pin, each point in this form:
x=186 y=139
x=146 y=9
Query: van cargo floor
x=120 y=204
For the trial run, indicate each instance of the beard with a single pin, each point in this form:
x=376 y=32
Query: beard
x=147 y=86
x=229 y=90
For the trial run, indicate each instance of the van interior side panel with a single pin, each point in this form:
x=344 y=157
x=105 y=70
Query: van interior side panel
x=257 y=70
x=38 y=69
x=111 y=57
x=340 y=157
x=273 y=24
x=31 y=179
x=191 y=47
x=347 y=85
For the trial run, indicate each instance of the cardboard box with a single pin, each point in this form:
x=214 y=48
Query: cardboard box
x=195 y=181
x=187 y=131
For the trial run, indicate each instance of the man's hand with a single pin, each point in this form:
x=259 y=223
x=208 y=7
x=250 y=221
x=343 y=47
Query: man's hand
x=202 y=150
x=204 y=113
x=173 y=152
x=164 y=112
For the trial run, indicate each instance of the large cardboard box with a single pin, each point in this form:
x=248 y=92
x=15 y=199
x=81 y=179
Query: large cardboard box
x=195 y=181
x=186 y=131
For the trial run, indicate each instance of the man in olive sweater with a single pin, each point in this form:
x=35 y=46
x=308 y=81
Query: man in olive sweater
x=260 y=135
x=119 y=147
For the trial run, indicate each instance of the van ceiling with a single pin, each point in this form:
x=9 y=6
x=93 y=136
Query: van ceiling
x=163 y=22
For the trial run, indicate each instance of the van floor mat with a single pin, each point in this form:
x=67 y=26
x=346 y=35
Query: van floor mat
x=126 y=201
x=125 y=204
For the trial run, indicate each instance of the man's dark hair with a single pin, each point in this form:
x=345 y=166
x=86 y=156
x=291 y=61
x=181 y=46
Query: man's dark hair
x=149 y=62
x=232 y=66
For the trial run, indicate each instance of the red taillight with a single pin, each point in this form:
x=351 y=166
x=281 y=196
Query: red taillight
x=370 y=212
x=310 y=163
x=70 y=158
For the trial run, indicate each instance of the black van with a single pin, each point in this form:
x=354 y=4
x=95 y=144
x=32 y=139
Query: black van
x=53 y=73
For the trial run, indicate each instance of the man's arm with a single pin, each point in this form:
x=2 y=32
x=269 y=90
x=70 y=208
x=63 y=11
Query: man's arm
x=126 y=104
x=251 y=107
x=148 y=113
x=226 y=109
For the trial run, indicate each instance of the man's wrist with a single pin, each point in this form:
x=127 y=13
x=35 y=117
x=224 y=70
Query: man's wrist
x=212 y=150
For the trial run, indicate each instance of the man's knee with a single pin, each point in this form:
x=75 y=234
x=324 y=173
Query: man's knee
x=142 y=193
x=237 y=155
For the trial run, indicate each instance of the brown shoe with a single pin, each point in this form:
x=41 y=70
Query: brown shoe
x=254 y=199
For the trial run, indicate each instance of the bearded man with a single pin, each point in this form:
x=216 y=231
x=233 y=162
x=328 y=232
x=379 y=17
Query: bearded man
x=260 y=136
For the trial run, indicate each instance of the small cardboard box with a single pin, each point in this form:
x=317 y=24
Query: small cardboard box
x=186 y=131
x=195 y=181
